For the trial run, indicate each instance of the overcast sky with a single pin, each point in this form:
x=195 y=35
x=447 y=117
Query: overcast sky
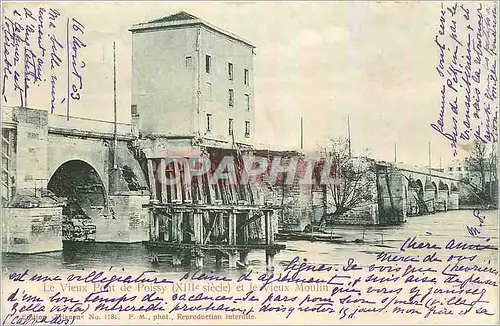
x=324 y=61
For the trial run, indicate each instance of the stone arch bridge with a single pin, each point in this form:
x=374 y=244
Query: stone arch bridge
x=77 y=161
x=406 y=191
x=55 y=167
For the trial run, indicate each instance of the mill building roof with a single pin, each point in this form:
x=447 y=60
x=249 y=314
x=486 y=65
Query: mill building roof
x=182 y=19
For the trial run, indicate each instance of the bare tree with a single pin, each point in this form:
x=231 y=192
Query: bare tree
x=355 y=177
x=481 y=167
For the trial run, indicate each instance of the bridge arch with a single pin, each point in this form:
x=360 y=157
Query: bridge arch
x=434 y=186
x=420 y=186
x=443 y=196
x=443 y=186
x=413 y=192
x=83 y=186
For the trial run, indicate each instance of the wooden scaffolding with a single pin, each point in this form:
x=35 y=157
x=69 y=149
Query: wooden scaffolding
x=194 y=216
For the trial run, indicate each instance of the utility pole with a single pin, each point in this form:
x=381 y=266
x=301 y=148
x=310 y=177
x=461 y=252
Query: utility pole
x=115 y=137
x=429 y=157
x=301 y=133
x=395 y=153
x=349 y=134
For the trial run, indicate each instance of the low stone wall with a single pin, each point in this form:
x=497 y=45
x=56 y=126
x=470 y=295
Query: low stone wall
x=32 y=229
x=366 y=215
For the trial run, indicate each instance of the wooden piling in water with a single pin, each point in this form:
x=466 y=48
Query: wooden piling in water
x=151 y=221
x=178 y=184
x=163 y=181
x=176 y=258
x=186 y=184
x=218 y=260
x=269 y=260
x=244 y=258
x=156 y=228
x=232 y=228
x=269 y=234
x=198 y=227
x=198 y=260
x=152 y=180
x=233 y=254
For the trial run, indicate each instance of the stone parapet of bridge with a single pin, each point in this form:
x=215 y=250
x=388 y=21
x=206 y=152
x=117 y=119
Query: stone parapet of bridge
x=79 y=125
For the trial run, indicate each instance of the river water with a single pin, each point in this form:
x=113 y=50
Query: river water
x=437 y=228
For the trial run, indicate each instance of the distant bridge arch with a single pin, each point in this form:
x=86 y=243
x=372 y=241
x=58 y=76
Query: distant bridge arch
x=434 y=186
x=443 y=186
x=419 y=186
x=417 y=191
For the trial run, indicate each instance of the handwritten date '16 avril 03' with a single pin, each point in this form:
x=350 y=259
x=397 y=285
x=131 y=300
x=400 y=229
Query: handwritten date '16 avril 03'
x=427 y=279
x=41 y=47
x=466 y=43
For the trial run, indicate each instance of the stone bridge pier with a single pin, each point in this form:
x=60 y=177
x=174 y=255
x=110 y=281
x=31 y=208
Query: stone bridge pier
x=443 y=197
x=430 y=195
x=453 y=200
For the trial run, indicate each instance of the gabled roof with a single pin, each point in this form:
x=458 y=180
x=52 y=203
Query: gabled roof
x=180 y=19
x=181 y=15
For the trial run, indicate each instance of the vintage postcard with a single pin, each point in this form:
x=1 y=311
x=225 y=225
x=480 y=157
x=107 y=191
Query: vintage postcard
x=255 y=163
